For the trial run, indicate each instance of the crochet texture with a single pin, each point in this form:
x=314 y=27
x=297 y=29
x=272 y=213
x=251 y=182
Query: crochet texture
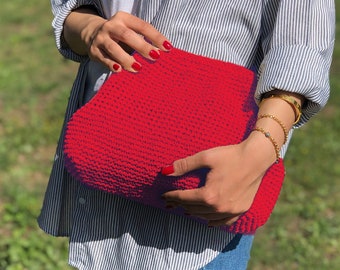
x=180 y=105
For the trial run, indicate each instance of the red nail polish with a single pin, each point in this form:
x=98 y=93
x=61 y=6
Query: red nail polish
x=168 y=170
x=116 y=66
x=136 y=66
x=167 y=45
x=154 y=54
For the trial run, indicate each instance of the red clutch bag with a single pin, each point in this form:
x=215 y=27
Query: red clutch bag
x=180 y=105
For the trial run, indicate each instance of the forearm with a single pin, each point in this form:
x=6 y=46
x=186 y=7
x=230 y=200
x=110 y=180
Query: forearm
x=79 y=27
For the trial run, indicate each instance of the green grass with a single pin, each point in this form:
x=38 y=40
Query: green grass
x=303 y=232
x=34 y=87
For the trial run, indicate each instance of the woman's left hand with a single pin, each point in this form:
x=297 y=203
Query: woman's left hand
x=234 y=177
x=236 y=171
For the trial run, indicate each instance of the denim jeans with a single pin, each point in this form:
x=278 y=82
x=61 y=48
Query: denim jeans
x=235 y=255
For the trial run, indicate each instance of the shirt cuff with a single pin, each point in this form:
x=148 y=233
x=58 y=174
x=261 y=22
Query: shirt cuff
x=297 y=69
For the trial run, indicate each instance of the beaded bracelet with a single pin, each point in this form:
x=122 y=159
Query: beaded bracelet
x=292 y=102
x=277 y=121
x=267 y=135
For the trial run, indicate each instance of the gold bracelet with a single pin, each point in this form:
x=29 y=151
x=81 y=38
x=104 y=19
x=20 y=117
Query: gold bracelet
x=277 y=121
x=292 y=102
x=267 y=135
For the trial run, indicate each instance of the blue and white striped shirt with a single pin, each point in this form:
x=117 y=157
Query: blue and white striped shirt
x=289 y=44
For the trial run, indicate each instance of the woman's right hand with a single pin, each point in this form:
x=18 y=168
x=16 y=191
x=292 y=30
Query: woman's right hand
x=101 y=39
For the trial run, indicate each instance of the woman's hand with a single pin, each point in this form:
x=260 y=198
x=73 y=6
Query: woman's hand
x=87 y=33
x=236 y=171
x=231 y=185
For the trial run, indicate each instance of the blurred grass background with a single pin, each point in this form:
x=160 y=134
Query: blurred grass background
x=303 y=232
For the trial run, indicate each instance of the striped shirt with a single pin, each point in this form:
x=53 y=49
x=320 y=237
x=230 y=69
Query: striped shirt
x=288 y=43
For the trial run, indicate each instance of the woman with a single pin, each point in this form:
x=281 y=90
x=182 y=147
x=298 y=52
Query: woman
x=288 y=43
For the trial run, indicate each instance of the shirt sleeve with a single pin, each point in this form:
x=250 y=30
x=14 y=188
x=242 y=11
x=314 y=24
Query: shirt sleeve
x=61 y=9
x=298 y=43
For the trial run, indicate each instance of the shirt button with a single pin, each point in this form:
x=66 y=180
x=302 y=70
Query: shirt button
x=82 y=201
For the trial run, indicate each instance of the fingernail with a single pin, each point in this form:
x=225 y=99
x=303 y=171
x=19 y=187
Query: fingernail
x=167 y=45
x=136 y=66
x=168 y=170
x=116 y=66
x=154 y=54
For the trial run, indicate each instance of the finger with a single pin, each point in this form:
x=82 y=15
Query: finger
x=107 y=61
x=135 y=41
x=184 y=197
x=228 y=221
x=207 y=212
x=212 y=217
x=146 y=29
x=114 y=57
x=185 y=165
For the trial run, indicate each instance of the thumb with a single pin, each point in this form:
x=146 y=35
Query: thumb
x=184 y=165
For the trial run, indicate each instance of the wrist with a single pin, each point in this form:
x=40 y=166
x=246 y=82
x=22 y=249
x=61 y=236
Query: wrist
x=79 y=29
x=87 y=34
x=259 y=151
